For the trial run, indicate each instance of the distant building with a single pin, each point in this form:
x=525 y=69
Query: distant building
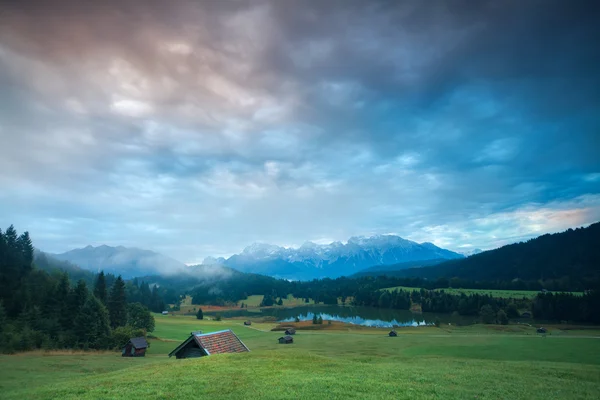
x=541 y=330
x=286 y=340
x=165 y=313
x=247 y=322
x=526 y=314
x=290 y=331
x=393 y=333
x=206 y=344
x=136 y=347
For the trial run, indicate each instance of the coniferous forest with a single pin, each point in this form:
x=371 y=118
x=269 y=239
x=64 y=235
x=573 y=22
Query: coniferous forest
x=40 y=309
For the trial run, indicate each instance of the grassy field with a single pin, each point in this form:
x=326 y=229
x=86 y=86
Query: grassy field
x=514 y=294
x=253 y=301
x=478 y=362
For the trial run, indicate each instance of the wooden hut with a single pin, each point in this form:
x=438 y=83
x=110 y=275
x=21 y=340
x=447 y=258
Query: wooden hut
x=393 y=333
x=136 y=347
x=247 y=323
x=541 y=330
x=526 y=314
x=286 y=340
x=290 y=331
x=205 y=344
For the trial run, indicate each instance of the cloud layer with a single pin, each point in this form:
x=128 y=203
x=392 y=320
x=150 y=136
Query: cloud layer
x=195 y=128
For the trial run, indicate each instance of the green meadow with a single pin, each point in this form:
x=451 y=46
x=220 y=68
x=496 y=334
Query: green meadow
x=478 y=362
x=507 y=294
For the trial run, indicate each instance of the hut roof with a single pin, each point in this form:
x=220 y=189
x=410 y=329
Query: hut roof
x=139 y=342
x=290 y=331
x=287 y=338
x=215 y=343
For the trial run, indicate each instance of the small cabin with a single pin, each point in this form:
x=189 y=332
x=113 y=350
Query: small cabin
x=541 y=330
x=165 y=313
x=136 y=347
x=526 y=314
x=204 y=344
x=393 y=333
x=286 y=340
x=290 y=331
x=247 y=323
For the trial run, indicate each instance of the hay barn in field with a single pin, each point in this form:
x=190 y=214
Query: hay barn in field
x=247 y=322
x=286 y=340
x=290 y=331
x=206 y=344
x=136 y=347
x=393 y=333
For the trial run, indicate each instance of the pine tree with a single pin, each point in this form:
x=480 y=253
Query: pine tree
x=91 y=325
x=145 y=295
x=100 y=288
x=315 y=320
x=61 y=294
x=320 y=320
x=78 y=297
x=199 y=314
x=25 y=247
x=117 y=304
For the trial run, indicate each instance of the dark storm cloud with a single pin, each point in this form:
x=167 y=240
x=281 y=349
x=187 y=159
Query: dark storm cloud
x=222 y=122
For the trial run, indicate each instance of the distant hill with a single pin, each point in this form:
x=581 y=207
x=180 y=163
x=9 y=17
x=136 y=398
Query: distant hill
x=571 y=255
x=46 y=262
x=395 y=269
x=124 y=261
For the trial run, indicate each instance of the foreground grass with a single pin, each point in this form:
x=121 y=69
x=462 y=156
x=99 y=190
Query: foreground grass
x=507 y=294
x=427 y=363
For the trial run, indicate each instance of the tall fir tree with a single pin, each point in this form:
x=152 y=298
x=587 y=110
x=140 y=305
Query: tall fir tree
x=25 y=247
x=62 y=292
x=117 y=304
x=77 y=298
x=100 y=288
x=92 y=325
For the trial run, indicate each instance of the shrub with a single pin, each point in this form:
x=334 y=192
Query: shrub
x=199 y=314
x=502 y=317
x=487 y=314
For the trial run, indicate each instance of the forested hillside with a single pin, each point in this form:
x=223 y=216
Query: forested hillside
x=567 y=261
x=40 y=309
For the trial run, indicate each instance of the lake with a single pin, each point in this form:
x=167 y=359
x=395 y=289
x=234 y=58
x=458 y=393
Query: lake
x=365 y=316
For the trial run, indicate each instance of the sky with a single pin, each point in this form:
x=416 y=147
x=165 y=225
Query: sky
x=195 y=128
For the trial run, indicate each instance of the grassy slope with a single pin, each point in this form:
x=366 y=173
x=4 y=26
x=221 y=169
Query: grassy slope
x=333 y=364
x=514 y=294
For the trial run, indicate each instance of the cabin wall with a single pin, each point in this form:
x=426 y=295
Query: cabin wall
x=191 y=350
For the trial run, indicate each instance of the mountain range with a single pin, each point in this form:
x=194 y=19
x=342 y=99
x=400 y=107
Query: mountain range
x=128 y=262
x=311 y=260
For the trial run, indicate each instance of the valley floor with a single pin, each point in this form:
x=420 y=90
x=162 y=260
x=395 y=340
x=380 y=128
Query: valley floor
x=478 y=362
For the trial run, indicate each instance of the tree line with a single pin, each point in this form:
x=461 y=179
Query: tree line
x=43 y=310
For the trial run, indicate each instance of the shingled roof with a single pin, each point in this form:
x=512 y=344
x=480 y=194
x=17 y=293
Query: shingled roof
x=139 y=342
x=215 y=343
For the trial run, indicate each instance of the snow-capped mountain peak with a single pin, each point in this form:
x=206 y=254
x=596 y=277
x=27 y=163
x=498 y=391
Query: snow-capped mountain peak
x=313 y=260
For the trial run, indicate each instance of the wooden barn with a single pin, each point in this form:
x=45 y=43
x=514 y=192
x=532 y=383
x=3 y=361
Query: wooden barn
x=541 y=330
x=136 y=347
x=247 y=322
x=286 y=340
x=205 y=344
x=290 y=331
x=393 y=333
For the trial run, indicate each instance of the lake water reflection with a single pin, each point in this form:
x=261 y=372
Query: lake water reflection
x=365 y=316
